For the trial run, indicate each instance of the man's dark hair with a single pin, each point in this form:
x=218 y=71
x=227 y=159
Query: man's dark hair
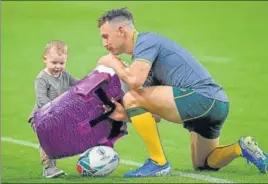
x=110 y=15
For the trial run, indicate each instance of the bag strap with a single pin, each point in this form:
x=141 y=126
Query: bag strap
x=104 y=98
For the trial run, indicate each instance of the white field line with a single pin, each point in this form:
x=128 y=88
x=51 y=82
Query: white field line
x=131 y=163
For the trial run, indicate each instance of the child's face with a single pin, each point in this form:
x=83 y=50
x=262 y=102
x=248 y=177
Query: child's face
x=55 y=63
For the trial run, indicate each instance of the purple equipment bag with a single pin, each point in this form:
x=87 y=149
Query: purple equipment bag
x=76 y=121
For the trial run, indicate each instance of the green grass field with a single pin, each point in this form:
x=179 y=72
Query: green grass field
x=229 y=39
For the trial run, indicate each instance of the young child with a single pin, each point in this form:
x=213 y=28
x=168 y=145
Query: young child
x=52 y=81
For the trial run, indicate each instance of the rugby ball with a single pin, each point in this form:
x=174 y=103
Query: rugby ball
x=98 y=161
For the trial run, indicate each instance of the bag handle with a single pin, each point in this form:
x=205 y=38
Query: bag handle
x=104 y=98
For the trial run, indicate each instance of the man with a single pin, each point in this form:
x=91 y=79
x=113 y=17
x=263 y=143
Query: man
x=179 y=90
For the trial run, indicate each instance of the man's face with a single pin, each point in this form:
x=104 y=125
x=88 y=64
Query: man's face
x=55 y=63
x=113 y=38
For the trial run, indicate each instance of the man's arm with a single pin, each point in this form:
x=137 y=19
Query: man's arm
x=145 y=53
x=41 y=92
x=135 y=75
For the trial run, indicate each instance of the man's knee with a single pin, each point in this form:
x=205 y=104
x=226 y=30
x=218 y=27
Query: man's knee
x=204 y=168
x=131 y=99
x=196 y=167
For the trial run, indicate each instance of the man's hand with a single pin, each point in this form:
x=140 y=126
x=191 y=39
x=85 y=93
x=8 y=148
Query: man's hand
x=119 y=112
x=110 y=61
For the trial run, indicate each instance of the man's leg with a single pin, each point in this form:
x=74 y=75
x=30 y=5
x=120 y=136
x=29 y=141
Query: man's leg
x=157 y=100
x=199 y=151
x=139 y=106
x=205 y=132
x=204 y=117
x=208 y=155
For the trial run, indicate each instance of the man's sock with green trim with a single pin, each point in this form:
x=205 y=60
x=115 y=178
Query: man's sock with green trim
x=146 y=126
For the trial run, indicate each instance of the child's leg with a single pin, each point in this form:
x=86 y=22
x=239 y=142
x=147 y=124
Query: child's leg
x=50 y=170
x=49 y=165
x=45 y=161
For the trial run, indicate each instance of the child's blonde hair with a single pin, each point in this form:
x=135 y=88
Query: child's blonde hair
x=58 y=45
